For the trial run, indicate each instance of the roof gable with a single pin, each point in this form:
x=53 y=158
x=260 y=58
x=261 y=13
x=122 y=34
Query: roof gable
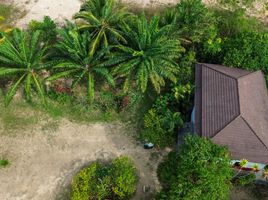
x=228 y=71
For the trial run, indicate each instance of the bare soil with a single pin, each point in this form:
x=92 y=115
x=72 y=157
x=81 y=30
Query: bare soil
x=44 y=161
x=61 y=10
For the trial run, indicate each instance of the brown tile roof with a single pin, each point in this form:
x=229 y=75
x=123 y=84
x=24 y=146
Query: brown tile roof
x=231 y=107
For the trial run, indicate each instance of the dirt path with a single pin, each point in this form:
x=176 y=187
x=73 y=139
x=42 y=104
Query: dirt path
x=44 y=161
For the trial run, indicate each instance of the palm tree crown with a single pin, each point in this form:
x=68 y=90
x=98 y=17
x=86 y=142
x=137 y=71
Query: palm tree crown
x=101 y=18
x=150 y=56
x=74 y=60
x=22 y=54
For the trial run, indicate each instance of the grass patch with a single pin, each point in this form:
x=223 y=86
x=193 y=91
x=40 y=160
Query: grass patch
x=23 y=116
x=20 y=116
x=78 y=110
x=4 y=163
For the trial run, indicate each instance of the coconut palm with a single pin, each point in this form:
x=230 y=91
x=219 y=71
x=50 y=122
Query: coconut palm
x=73 y=60
x=101 y=18
x=21 y=58
x=149 y=57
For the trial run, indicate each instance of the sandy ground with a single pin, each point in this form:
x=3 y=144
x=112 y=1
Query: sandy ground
x=60 y=10
x=43 y=162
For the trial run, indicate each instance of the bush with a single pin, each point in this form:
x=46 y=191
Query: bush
x=201 y=171
x=48 y=28
x=247 y=50
x=99 y=181
x=160 y=123
x=194 y=21
x=167 y=170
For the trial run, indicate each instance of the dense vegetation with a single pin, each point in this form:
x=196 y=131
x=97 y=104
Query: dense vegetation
x=105 y=181
x=114 y=60
x=200 y=170
x=111 y=63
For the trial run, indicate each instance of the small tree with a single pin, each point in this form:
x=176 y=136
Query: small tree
x=203 y=172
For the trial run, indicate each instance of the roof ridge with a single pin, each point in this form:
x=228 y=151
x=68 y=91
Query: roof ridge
x=254 y=131
x=250 y=73
x=205 y=65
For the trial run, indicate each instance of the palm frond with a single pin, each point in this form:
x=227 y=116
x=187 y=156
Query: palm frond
x=12 y=91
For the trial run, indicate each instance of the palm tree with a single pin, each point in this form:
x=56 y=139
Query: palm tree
x=21 y=58
x=150 y=55
x=101 y=18
x=73 y=60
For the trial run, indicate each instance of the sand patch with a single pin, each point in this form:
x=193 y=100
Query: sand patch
x=44 y=162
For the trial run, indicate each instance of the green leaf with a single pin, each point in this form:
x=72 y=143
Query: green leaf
x=62 y=74
x=9 y=71
x=39 y=87
x=90 y=88
x=12 y=91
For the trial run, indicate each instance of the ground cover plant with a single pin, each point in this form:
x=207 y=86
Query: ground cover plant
x=105 y=181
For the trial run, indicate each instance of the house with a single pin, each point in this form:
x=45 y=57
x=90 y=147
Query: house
x=231 y=108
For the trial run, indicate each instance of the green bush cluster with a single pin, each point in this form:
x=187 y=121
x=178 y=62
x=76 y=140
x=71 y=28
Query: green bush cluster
x=160 y=123
x=105 y=181
x=247 y=50
x=200 y=170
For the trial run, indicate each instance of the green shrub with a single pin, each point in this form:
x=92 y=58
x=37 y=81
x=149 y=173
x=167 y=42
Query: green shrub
x=48 y=28
x=160 y=124
x=194 y=21
x=167 y=170
x=124 y=178
x=247 y=50
x=200 y=171
x=105 y=181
